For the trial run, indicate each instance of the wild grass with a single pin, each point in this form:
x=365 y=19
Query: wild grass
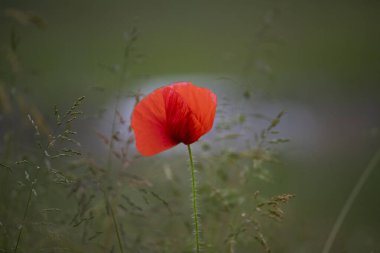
x=135 y=208
x=58 y=197
x=349 y=202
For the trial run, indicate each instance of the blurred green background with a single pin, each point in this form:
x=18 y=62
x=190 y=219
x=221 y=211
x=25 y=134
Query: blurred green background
x=318 y=60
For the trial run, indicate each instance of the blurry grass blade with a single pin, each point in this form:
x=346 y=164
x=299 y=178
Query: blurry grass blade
x=228 y=137
x=279 y=141
x=95 y=236
x=51 y=210
x=83 y=220
x=72 y=111
x=71 y=151
x=138 y=182
x=7 y=167
x=164 y=202
x=284 y=198
x=27 y=177
x=263 y=242
x=13 y=61
x=34 y=192
x=168 y=172
x=26 y=18
x=131 y=203
x=57 y=115
x=121 y=118
x=5 y=102
x=65 y=138
x=34 y=124
x=276 y=121
x=102 y=137
x=350 y=200
x=15 y=39
x=35 y=116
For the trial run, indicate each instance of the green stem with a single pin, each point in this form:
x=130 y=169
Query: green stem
x=115 y=226
x=117 y=230
x=350 y=200
x=114 y=221
x=113 y=128
x=24 y=218
x=195 y=209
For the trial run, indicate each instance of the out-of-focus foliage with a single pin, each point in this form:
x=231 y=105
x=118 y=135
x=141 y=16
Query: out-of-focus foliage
x=71 y=180
x=58 y=197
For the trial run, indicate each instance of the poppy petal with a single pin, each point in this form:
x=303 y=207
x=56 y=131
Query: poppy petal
x=149 y=125
x=202 y=103
x=182 y=124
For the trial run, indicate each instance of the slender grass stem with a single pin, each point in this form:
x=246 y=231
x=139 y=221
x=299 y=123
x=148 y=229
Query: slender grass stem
x=24 y=218
x=111 y=144
x=123 y=71
x=116 y=229
x=108 y=203
x=114 y=221
x=350 y=200
x=194 y=192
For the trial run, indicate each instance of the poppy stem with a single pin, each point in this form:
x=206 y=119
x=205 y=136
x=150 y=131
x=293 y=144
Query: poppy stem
x=194 y=192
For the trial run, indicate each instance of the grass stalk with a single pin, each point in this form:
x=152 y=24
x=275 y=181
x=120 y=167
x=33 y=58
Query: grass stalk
x=113 y=128
x=24 y=217
x=350 y=200
x=116 y=229
x=114 y=221
x=194 y=195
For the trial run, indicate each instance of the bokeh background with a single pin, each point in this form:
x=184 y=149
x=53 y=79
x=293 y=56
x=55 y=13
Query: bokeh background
x=317 y=60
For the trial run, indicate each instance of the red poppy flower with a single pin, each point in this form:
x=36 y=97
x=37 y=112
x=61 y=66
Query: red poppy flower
x=179 y=112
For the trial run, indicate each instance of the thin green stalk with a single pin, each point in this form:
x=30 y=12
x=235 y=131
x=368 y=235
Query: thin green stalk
x=350 y=200
x=111 y=144
x=195 y=209
x=24 y=218
x=116 y=229
x=123 y=70
x=114 y=221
